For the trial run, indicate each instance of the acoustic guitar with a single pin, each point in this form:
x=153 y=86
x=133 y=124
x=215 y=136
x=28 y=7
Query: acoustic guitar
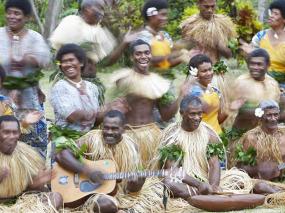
x=76 y=188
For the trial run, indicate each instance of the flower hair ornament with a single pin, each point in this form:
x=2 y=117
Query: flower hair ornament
x=259 y=112
x=58 y=63
x=152 y=11
x=193 y=71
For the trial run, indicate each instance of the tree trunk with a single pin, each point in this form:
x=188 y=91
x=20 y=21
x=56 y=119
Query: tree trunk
x=261 y=10
x=35 y=13
x=51 y=17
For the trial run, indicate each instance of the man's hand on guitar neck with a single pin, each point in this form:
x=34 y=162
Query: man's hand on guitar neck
x=95 y=176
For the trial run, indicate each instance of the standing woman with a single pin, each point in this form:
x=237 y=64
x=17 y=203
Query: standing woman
x=22 y=52
x=273 y=41
x=155 y=15
x=200 y=67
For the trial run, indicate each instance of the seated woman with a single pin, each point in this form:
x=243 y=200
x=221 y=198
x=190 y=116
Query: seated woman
x=272 y=40
x=74 y=100
x=200 y=66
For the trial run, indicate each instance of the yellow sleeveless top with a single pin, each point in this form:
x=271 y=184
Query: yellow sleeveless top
x=161 y=48
x=277 y=54
x=211 y=118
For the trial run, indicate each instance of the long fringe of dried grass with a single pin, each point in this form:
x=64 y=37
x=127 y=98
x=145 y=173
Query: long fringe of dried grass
x=275 y=200
x=146 y=137
x=30 y=203
x=150 y=199
x=194 y=143
x=220 y=27
x=150 y=86
x=236 y=181
x=24 y=163
x=104 y=41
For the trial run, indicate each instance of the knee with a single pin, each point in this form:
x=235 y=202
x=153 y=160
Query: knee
x=105 y=205
x=56 y=200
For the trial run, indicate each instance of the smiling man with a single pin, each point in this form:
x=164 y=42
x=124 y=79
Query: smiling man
x=21 y=170
x=193 y=137
x=268 y=140
x=252 y=88
x=143 y=91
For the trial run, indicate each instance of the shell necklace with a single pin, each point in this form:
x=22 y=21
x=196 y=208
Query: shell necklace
x=77 y=84
x=17 y=35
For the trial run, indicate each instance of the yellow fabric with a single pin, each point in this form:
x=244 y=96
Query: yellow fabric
x=211 y=118
x=161 y=48
x=277 y=54
x=8 y=111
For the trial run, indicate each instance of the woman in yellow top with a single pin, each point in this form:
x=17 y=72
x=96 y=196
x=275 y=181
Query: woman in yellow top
x=155 y=14
x=272 y=40
x=200 y=66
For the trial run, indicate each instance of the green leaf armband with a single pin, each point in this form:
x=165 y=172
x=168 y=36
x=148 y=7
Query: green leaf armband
x=166 y=99
x=173 y=153
x=216 y=149
x=247 y=157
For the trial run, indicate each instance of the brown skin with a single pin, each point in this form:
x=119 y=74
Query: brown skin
x=112 y=133
x=141 y=109
x=156 y=23
x=204 y=77
x=266 y=170
x=246 y=117
x=93 y=14
x=207 y=9
x=16 y=20
x=277 y=23
x=9 y=135
x=190 y=122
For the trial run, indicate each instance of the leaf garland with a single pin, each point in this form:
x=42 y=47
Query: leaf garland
x=247 y=157
x=20 y=83
x=236 y=133
x=220 y=68
x=216 y=149
x=173 y=153
x=64 y=139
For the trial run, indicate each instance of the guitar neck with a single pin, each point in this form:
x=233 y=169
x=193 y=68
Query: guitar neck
x=127 y=175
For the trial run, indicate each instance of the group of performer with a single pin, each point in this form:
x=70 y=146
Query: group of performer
x=191 y=149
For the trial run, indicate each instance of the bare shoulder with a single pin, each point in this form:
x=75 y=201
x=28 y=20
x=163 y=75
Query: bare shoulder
x=213 y=137
x=249 y=141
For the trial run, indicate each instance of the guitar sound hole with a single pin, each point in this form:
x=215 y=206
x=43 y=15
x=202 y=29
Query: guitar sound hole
x=86 y=186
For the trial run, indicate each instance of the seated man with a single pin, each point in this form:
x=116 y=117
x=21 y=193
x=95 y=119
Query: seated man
x=143 y=91
x=110 y=143
x=22 y=170
x=193 y=137
x=268 y=142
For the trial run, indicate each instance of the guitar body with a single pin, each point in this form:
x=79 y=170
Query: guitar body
x=75 y=188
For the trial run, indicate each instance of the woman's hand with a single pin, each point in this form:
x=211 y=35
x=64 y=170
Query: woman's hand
x=33 y=117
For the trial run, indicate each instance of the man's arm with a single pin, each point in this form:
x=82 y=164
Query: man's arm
x=168 y=111
x=225 y=51
x=67 y=160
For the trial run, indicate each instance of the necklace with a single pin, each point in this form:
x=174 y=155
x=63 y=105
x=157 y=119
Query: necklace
x=77 y=85
x=275 y=33
x=17 y=35
x=204 y=88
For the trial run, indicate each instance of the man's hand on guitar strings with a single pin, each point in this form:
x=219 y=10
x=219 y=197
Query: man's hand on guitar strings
x=96 y=177
x=135 y=183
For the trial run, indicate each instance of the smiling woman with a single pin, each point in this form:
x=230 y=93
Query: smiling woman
x=74 y=100
x=210 y=96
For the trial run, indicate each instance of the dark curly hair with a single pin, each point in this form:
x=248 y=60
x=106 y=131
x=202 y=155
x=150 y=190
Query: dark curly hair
x=136 y=43
x=259 y=52
x=198 y=60
x=76 y=50
x=158 y=4
x=114 y=114
x=24 y=5
x=280 y=5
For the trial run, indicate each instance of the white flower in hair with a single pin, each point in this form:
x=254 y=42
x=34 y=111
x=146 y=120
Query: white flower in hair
x=152 y=11
x=193 y=71
x=259 y=112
